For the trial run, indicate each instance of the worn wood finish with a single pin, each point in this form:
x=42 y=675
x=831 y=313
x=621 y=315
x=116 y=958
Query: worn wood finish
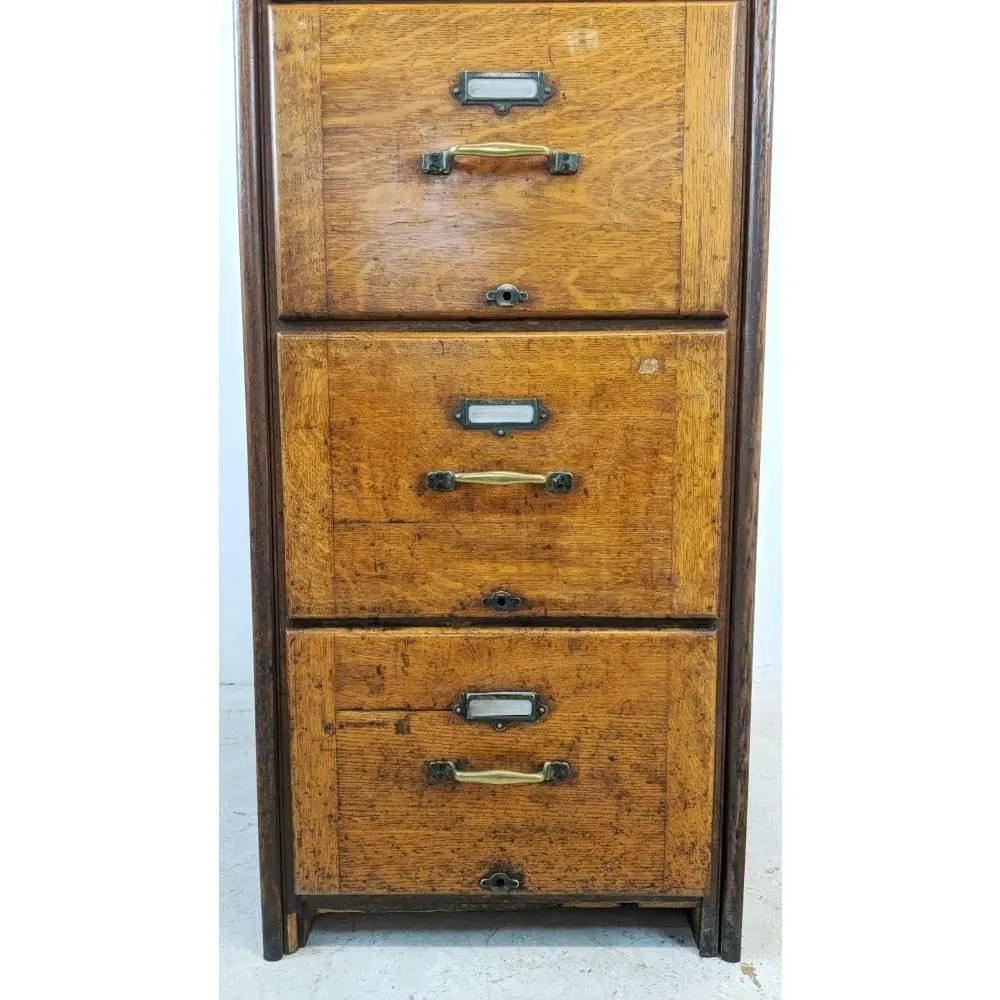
x=641 y=229
x=637 y=418
x=425 y=902
x=292 y=931
x=257 y=376
x=744 y=545
x=313 y=760
x=697 y=473
x=306 y=478
x=636 y=817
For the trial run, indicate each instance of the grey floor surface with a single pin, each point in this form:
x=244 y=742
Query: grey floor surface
x=597 y=955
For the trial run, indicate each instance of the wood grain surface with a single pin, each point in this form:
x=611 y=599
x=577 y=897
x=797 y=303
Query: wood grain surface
x=641 y=229
x=298 y=162
x=631 y=711
x=709 y=119
x=636 y=417
x=305 y=470
x=313 y=759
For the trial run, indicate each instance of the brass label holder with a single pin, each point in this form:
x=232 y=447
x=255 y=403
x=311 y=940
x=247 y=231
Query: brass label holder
x=501 y=416
x=500 y=708
x=502 y=91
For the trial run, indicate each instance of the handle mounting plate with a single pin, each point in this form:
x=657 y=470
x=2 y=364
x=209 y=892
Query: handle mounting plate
x=500 y=882
x=501 y=600
x=506 y=295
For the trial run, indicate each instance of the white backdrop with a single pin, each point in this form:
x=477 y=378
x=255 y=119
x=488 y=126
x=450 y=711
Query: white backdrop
x=235 y=627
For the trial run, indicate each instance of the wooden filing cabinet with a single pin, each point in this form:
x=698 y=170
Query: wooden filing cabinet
x=503 y=304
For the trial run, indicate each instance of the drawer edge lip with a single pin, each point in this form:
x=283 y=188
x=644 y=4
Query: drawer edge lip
x=436 y=325
x=415 y=903
x=296 y=320
x=700 y=625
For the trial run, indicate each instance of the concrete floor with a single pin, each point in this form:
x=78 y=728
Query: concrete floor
x=597 y=955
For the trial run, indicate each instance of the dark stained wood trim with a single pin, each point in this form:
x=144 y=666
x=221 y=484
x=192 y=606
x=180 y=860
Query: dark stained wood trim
x=707 y=625
x=513 y=325
x=262 y=555
x=743 y=552
x=270 y=295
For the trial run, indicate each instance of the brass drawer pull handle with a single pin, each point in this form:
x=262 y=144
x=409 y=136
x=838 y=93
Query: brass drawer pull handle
x=447 y=770
x=554 y=482
x=556 y=161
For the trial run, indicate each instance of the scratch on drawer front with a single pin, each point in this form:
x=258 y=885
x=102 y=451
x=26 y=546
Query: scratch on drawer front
x=582 y=40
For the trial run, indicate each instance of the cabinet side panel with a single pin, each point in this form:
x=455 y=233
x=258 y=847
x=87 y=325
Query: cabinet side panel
x=259 y=466
x=747 y=475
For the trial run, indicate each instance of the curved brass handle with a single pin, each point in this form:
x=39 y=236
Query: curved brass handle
x=448 y=770
x=556 y=161
x=554 y=482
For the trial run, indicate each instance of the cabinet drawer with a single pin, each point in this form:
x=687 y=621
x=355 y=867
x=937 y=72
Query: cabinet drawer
x=631 y=712
x=636 y=419
x=643 y=93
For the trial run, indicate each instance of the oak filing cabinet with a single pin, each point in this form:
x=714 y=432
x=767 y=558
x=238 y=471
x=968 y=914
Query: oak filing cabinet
x=503 y=307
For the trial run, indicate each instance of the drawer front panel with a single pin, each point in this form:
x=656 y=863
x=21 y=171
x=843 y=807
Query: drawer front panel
x=636 y=418
x=643 y=92
x=631 y=712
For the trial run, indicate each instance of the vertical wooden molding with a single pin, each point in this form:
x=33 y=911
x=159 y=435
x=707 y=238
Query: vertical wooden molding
x=709 y=108
x=690 y=741
x=297 y=124
x=305 y=466
x=700 y=367
x=706 y=917
x=262 y=543
x=761 y=92
x=310 y=667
